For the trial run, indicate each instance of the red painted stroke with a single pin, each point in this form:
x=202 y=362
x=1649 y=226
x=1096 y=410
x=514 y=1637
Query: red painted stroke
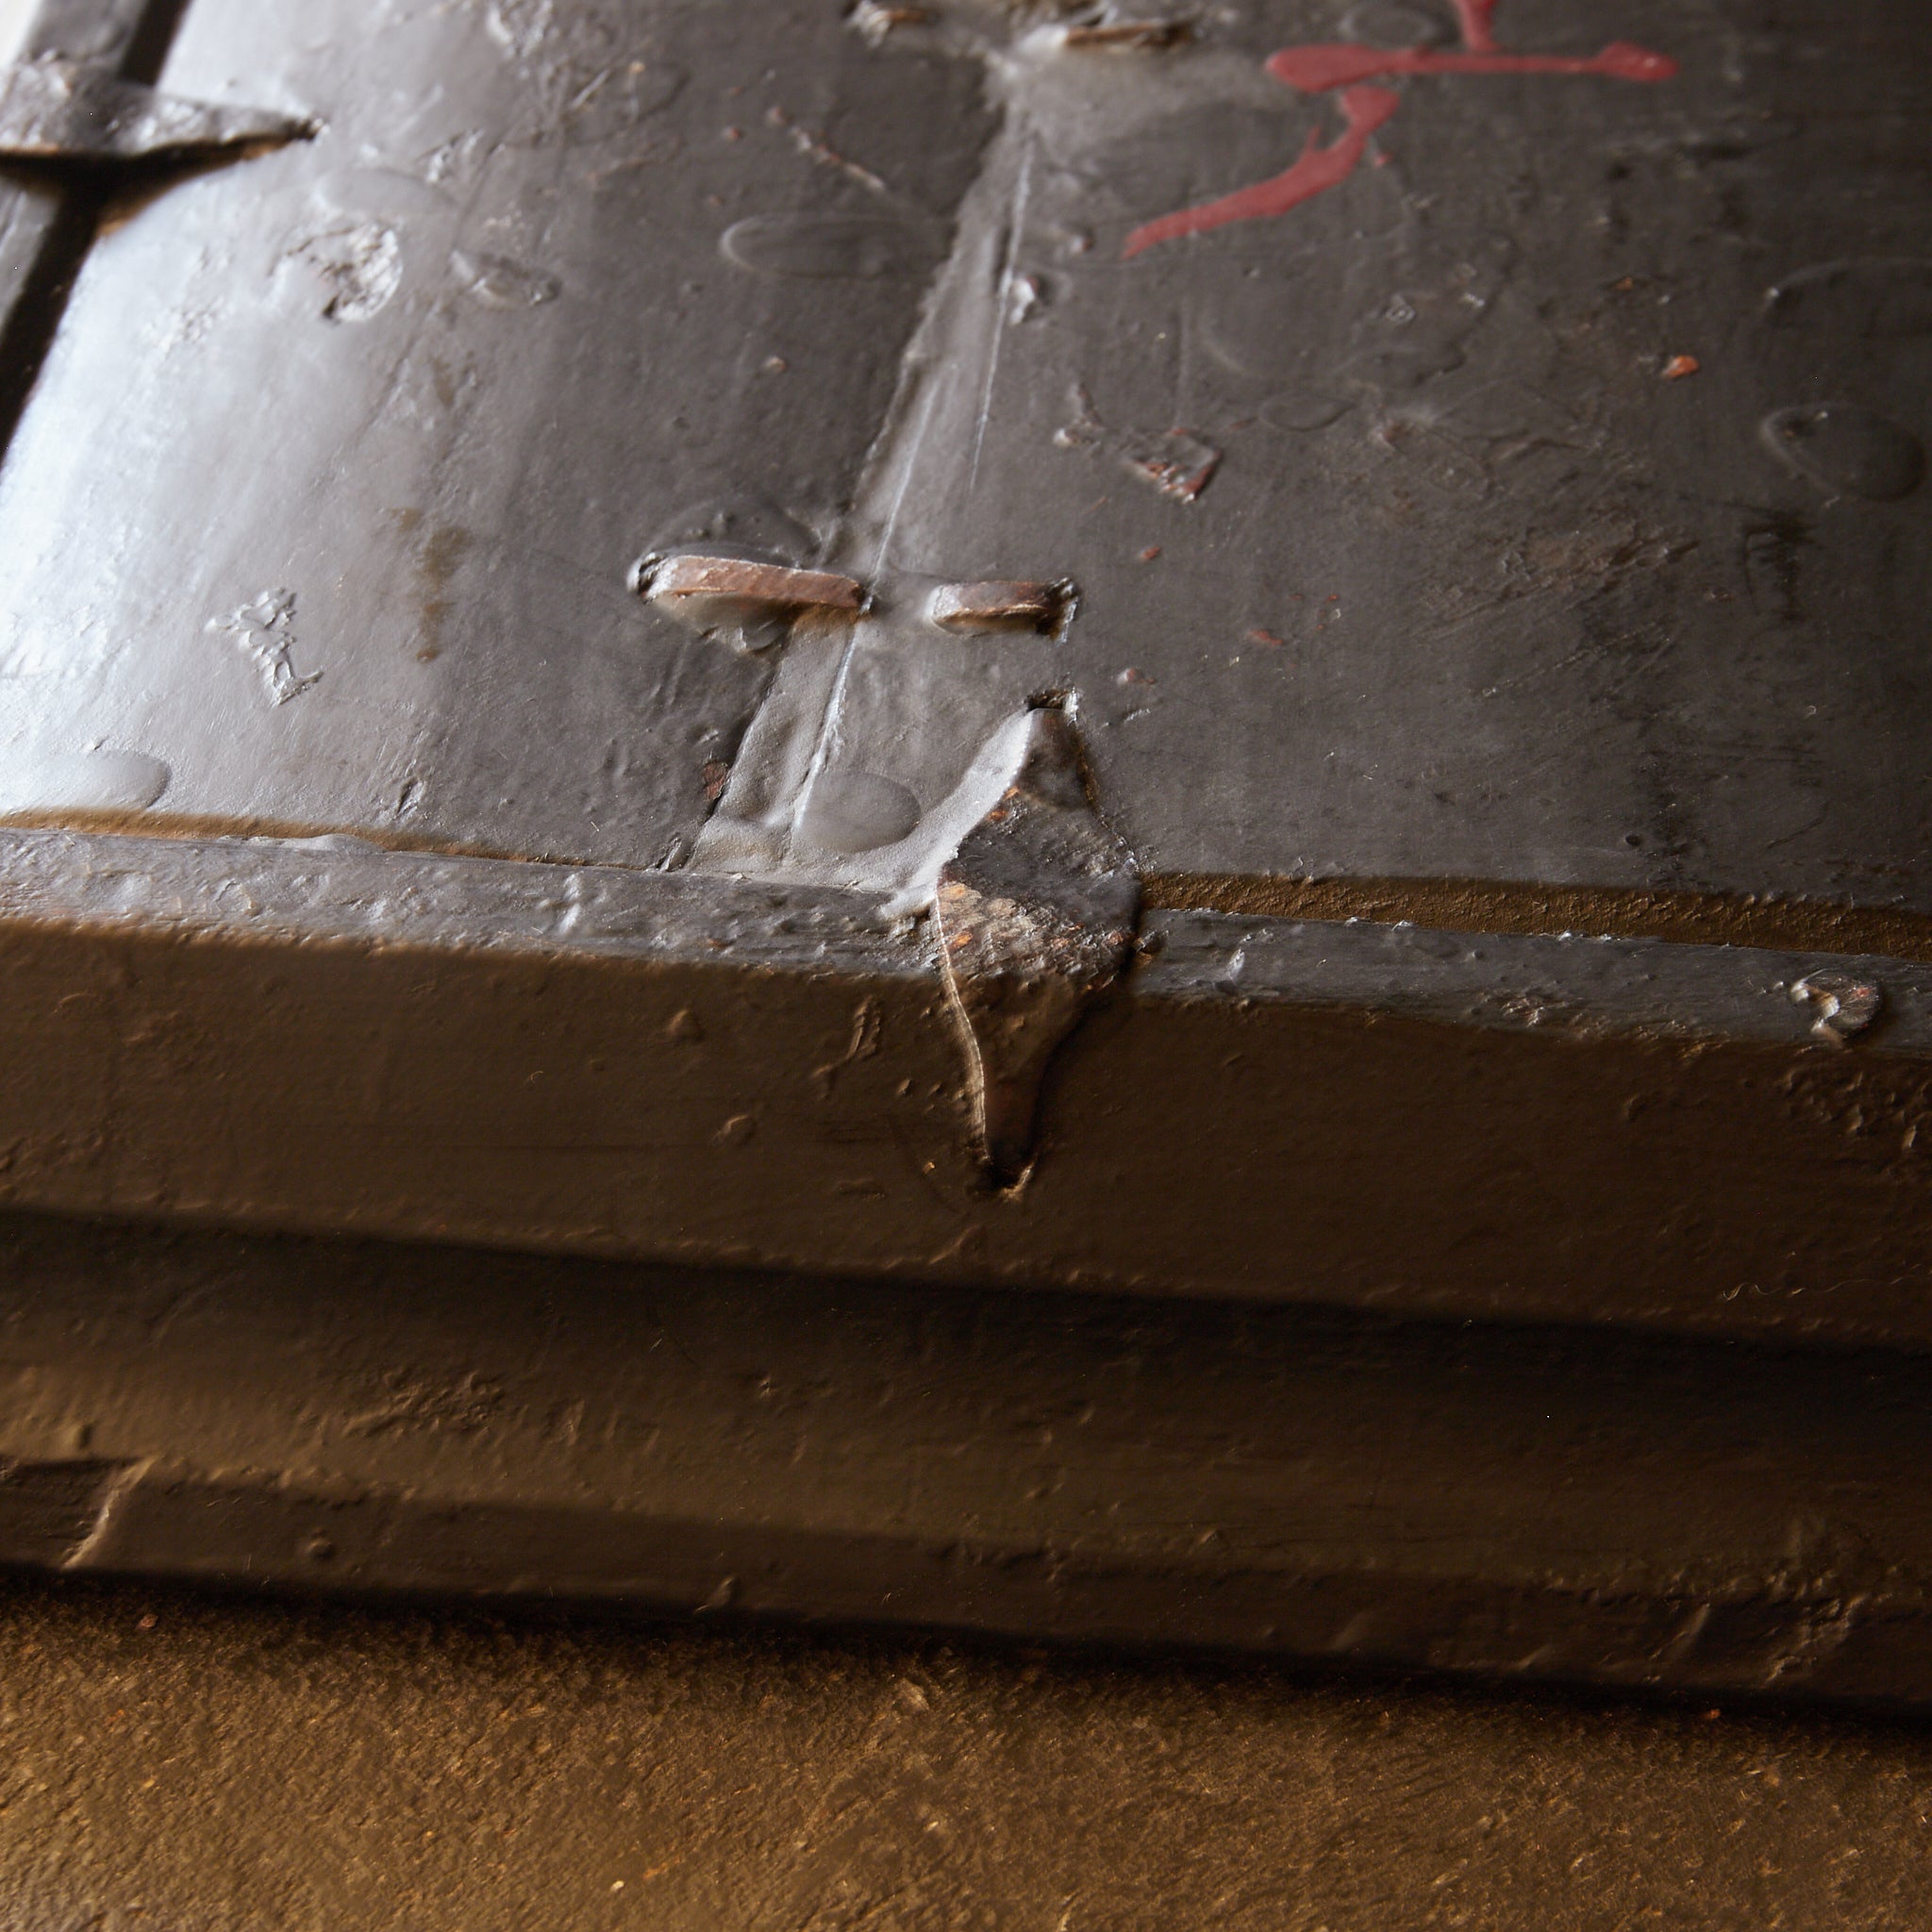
x=1315 y=70
x=1473 y=17
x=1318 y=69
x=1319 y=169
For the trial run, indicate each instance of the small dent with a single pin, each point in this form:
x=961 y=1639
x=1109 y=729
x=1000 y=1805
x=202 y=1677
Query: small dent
x=820 y=246
x=360 y=265
x=265 y=632
x=858 y=812
x=497 y=282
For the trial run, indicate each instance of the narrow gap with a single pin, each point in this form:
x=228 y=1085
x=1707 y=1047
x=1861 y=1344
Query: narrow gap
x=1525 y=907
x=1465 y=906
x=32 y=321
x=153 y=36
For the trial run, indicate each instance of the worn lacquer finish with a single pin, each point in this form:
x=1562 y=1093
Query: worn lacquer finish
x=630 y=441
x=330 y=491
x=1437 y=574
x=600 y=1060
x=1484 y=500
x=1532 y=1503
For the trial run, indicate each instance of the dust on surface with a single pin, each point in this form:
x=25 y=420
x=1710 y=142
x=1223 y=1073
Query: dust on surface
x=173 y=1760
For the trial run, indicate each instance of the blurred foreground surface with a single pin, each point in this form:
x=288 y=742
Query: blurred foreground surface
x=189 y=1762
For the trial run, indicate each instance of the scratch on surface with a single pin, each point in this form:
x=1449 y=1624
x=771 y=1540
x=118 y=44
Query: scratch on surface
x=815 y=148
x=826 y=739
x=1625 y=668
x=113 y=1492
x=912 y=463
x=1003 y=299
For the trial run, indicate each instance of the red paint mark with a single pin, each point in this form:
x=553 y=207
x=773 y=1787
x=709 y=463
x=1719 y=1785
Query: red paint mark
x=1148 y=555
x=1323 y=68
x=1680 y=366
x=1315 y=70
x=1177 y=465
x=1319 y=169
x=1473 y=17
x=1267 y=637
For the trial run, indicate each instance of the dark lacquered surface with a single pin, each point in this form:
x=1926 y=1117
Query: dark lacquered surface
x=1537 y=502
x=1475 y=589
x=1520 y=1503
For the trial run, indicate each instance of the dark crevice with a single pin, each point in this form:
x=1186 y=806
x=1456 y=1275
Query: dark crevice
x=153 y=36
x=1680 y=914
x=41 y=301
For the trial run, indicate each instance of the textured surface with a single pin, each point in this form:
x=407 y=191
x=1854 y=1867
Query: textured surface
x=1539 y=502
x=1523 y=533
x=229 y=1766
x=666 y=1066
x=1533 y=1504
x=1435 y=527
x=53 y=109
x=414 y=402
